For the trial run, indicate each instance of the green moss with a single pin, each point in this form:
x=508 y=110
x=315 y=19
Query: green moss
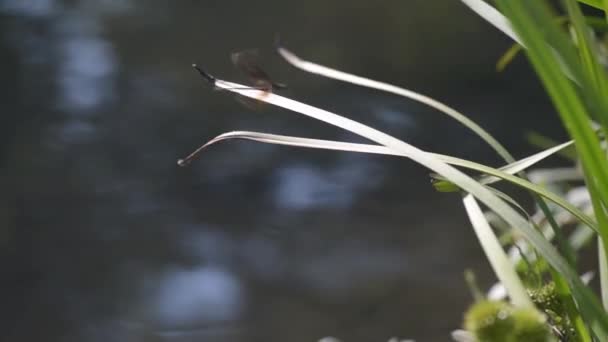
x=530 y=326
x=546 y=298
x=494 y=321
x=548 y=301
x=490 y=321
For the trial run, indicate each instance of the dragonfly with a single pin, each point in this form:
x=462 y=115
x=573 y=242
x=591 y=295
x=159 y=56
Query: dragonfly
x=247 y=61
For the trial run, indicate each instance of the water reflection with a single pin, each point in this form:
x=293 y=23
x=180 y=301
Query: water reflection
x=306 y=187
x=75 y=131
x=199 y=296
x=31 y=8
x=209 y=246
x=86 y=72
x=264 y=258
x=343 y=270
x=111 y=241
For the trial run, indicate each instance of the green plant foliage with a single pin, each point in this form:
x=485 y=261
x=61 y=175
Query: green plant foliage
x=557 y=61
x=597 y=23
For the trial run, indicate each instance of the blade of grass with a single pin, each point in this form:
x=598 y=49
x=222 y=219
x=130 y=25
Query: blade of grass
x=599 y=4
x=544 y=142
x=525 y=163
x=494 y=17
x=508 y=57
x=588 y=50
x=322 y=70
x=603 y=266
x=491 y=15
x=376 y=149
x=602 y=220
x=595 y=72
x=503 y=268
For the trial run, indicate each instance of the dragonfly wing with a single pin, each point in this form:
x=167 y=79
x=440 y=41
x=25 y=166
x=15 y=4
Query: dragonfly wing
x=248 y=62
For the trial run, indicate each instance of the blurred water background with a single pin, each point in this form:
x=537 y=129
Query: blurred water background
x=104 y=238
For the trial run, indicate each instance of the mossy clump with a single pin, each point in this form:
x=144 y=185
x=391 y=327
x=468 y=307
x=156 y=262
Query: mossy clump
x=548 y=301
x=546 y=298
x=498 y=321
x=531 y=326
x=489 y=320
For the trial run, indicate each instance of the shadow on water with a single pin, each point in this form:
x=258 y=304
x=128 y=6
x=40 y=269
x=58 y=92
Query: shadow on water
x=104 y=238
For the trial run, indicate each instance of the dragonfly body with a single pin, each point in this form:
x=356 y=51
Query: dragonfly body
x=247 y=62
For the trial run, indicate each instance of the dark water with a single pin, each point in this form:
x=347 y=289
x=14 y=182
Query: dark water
x=104 y=238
